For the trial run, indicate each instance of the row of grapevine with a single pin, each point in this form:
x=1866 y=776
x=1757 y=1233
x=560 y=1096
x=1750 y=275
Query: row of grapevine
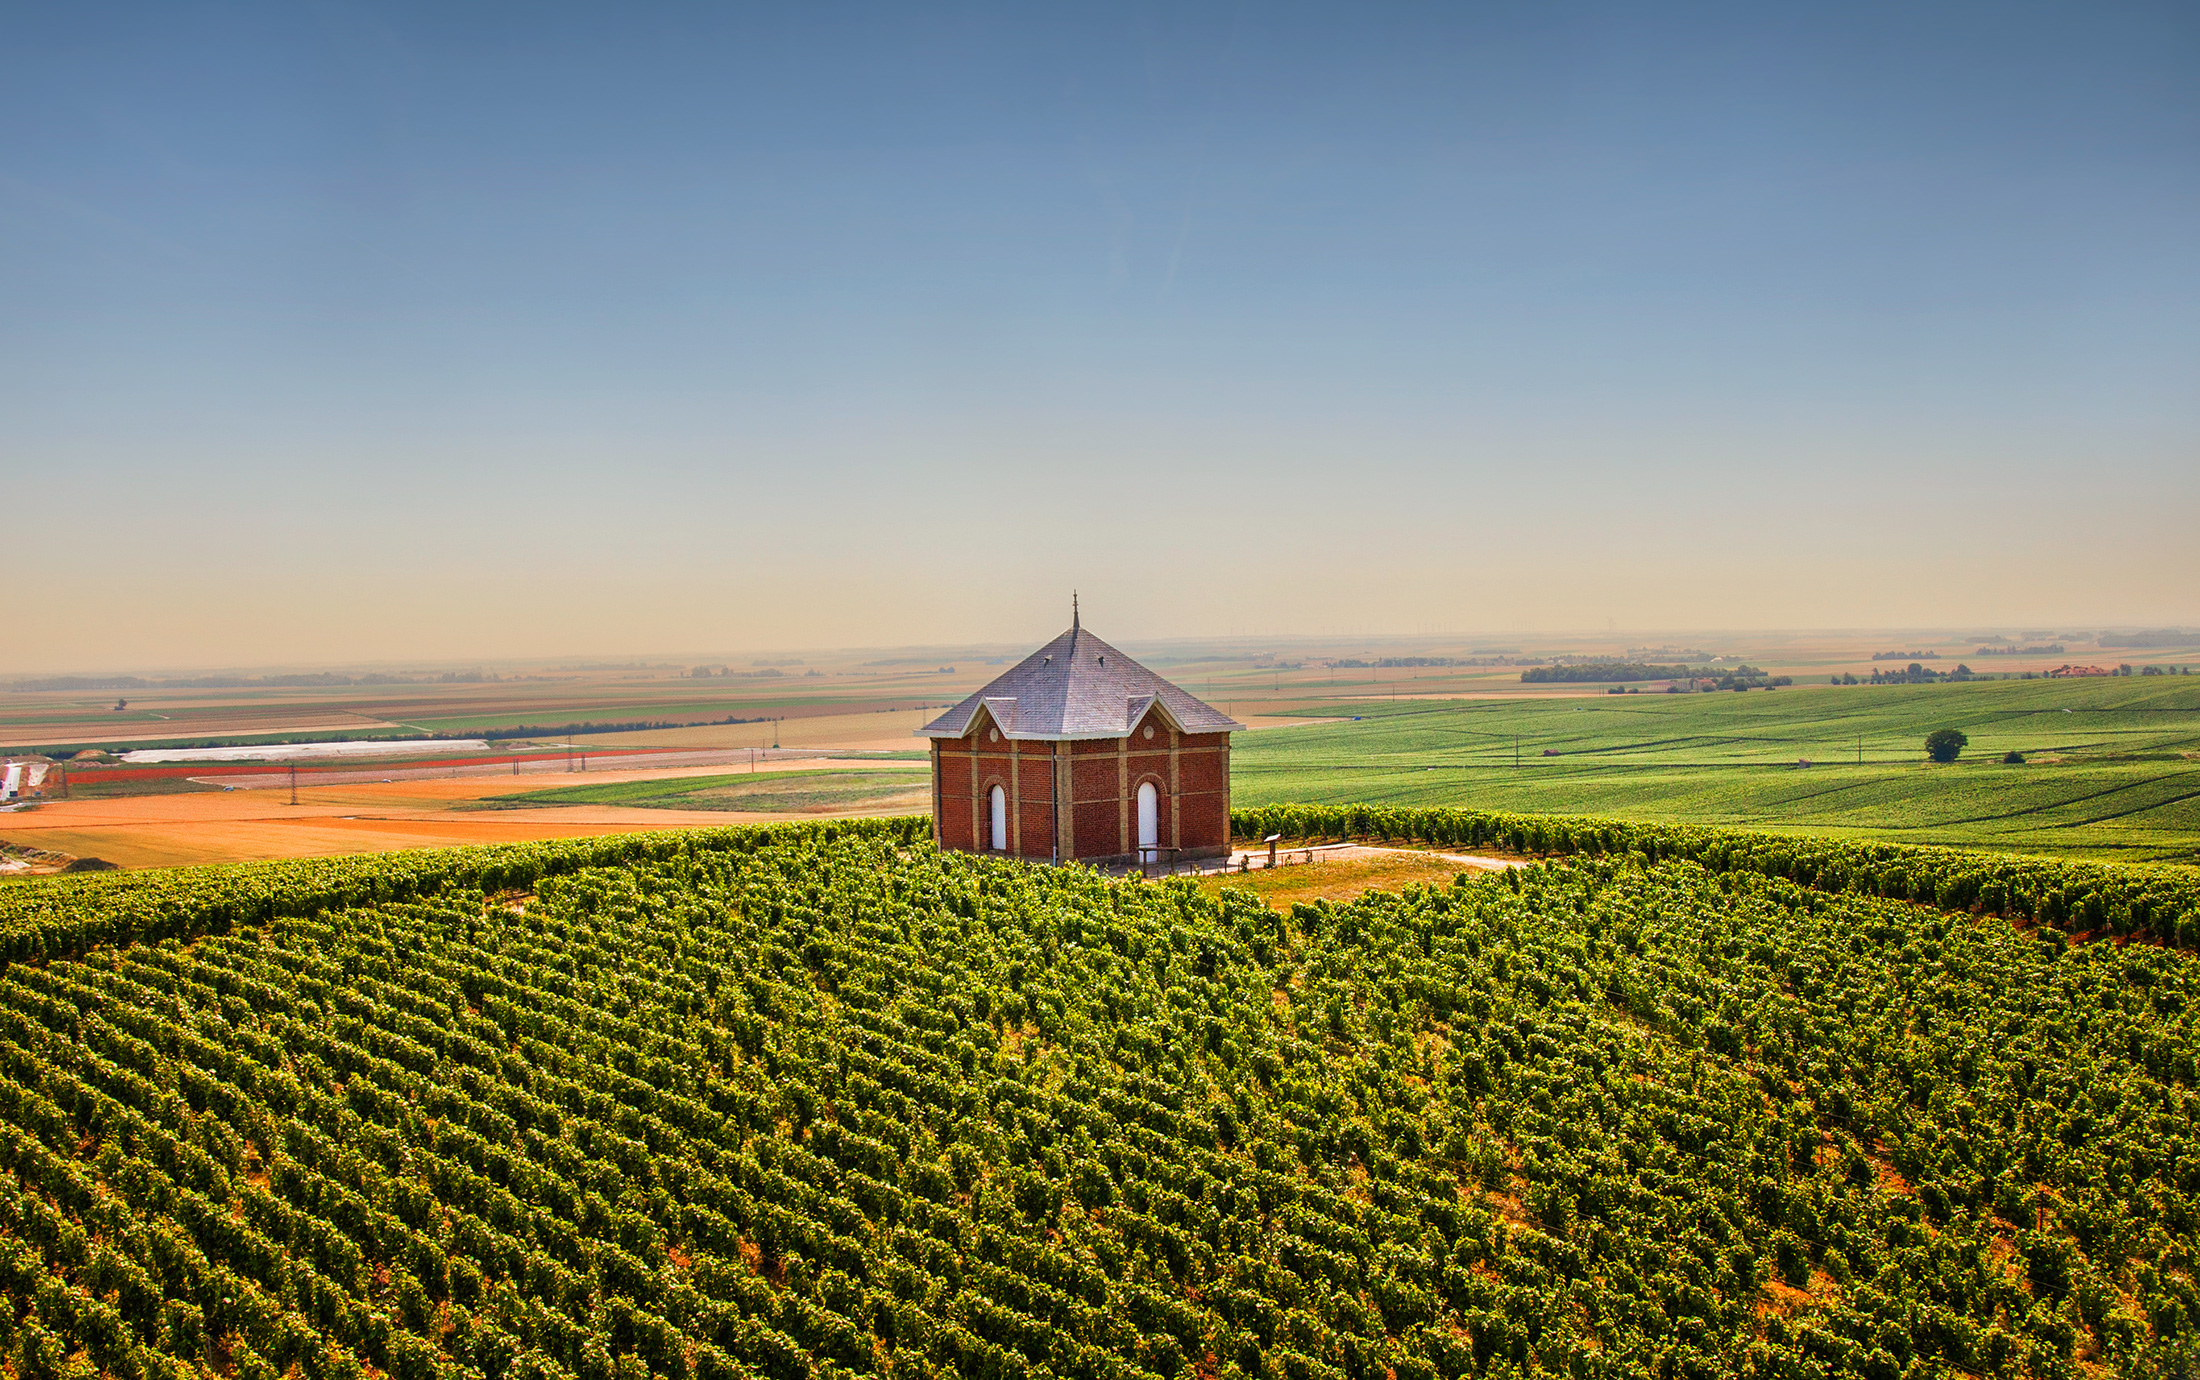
x=2161 y=902
x=52 y=916
x=818 y=1102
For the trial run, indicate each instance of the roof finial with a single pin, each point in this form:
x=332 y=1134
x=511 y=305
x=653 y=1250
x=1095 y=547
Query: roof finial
x=1073 y=610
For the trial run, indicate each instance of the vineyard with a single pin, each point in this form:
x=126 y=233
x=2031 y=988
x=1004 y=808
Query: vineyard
x=2152 y=902
x=819 y=1100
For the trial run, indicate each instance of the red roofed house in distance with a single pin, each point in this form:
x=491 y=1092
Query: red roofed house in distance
x=1078 y=753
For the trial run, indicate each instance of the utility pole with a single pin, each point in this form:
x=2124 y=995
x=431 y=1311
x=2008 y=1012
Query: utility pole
x=1516 y=750
x=294 y=783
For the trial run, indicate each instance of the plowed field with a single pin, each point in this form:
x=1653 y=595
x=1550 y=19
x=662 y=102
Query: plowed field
x=242 y=825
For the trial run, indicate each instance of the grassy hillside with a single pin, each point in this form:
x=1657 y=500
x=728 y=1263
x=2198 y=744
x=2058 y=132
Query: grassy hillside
x=815 y=1102
x=2112 y=767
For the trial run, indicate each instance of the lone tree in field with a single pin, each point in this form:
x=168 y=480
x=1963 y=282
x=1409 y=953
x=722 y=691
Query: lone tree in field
x=1942 y=744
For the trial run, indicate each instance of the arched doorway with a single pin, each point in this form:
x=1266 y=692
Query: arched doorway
x=1149 y=815
x=998 y=799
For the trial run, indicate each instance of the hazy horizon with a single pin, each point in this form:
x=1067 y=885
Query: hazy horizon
x=391 y=333
x=1959 y=643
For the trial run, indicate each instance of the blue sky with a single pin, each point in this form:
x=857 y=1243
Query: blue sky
x=512 y=329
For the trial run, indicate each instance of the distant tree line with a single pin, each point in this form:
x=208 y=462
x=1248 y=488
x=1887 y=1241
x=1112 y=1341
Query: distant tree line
x=1913 y=674
x=1599 y=671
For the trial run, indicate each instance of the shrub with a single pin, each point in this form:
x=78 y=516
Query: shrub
x=1942 y=744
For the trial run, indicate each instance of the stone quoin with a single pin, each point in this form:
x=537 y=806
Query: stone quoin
x=1078 y=753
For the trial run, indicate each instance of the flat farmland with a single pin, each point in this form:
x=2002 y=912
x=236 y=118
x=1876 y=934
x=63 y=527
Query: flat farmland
x=1300 y=678
x=889 y=728
x=2111 y=771
x=840 y=699
x=366 y=817
x=550 y=702
x=868 y=789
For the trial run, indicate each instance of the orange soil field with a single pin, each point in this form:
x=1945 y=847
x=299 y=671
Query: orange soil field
x=242 y=825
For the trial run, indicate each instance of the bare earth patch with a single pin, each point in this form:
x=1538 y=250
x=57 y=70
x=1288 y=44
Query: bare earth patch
x=1341 y=874
x=368 y=817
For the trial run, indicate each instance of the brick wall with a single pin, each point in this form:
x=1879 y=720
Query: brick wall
x=1189 y=771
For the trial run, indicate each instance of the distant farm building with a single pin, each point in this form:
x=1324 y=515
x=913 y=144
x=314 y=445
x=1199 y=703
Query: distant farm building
x=22 y=777
x=1078 y=753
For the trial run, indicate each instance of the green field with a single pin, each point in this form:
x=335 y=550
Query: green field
x=749 y=708
x=769 y=792
x=2112 y=766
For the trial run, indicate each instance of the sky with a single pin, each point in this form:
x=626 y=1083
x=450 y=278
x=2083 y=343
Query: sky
x=339 y=333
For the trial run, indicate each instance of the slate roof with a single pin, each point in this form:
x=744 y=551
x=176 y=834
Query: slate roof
x=1078 y=687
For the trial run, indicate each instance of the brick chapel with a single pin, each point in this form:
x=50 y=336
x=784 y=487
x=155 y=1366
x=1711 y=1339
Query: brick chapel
x=1079 y=753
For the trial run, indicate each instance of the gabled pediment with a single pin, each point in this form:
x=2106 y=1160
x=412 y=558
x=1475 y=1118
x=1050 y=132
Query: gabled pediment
x=998 y=711
x=1145 y=707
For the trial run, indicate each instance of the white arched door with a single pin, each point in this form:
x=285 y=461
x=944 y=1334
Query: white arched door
x=1149 y=815
x=998 y=798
